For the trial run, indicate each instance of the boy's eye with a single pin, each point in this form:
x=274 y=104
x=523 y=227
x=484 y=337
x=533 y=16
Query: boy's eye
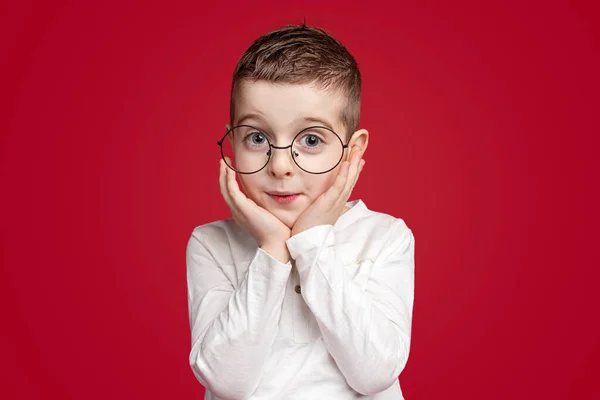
x=310 y=141
x=257 y=138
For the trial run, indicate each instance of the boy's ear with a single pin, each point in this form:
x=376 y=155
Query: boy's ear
x=360 y=138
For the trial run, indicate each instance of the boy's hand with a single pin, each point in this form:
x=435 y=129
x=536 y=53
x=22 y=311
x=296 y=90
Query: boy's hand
x=268 y=231
x=330 y=205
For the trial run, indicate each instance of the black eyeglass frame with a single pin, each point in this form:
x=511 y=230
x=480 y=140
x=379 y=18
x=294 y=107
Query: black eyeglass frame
x=271 y=146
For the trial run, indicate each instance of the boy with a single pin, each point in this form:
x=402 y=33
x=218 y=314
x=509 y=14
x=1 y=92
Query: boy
x=302 y=294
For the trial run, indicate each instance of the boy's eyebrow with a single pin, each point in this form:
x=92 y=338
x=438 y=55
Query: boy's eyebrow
x=255 y=116
x=261 y=118
x=320 y=121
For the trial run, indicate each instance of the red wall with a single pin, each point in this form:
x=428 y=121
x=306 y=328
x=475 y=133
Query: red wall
x=484 y=135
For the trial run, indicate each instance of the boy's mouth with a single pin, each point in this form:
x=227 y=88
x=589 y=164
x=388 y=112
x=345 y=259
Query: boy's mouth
x=283 y=197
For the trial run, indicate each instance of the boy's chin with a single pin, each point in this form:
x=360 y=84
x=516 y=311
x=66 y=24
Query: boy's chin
x=287 y=217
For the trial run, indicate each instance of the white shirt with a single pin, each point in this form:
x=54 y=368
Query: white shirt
x=333 y=323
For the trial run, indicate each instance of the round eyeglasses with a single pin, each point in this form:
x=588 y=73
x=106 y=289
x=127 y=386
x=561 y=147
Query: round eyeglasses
x=316 y=149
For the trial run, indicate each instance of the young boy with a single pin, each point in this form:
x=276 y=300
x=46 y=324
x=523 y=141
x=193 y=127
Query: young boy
x=302 y=294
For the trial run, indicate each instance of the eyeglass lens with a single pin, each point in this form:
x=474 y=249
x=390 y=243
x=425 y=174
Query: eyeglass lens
x=315 y=150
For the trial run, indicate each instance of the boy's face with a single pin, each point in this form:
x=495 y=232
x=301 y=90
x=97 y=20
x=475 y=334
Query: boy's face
x=282 y=111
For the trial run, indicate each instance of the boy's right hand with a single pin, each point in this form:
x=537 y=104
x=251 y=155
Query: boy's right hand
x=268 y=231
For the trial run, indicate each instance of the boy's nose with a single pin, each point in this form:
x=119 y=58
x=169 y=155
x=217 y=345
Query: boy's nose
x=281 y=163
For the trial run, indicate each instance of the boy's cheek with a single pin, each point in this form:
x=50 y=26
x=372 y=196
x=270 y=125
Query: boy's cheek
x=322 y=185
x=244 y=185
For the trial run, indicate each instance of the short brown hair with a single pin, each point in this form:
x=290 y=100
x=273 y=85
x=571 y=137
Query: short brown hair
x=298 y=54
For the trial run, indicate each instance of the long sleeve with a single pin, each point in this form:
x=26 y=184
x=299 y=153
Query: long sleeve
x=366 y=332
x=233 y=328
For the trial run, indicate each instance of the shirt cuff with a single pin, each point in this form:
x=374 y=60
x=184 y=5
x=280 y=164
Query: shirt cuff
x=311 y=241
x=270 y=267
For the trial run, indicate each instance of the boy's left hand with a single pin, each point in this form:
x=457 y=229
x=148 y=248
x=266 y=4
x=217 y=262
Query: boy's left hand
x=330 y=205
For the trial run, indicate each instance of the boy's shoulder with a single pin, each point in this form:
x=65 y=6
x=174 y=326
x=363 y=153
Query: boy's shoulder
x=366 y=234
x=215 y=228
x=218 y=230
x=221 y=234
x=366 y=218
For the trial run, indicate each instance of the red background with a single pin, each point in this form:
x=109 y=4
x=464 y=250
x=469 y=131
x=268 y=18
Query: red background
x=484 y=135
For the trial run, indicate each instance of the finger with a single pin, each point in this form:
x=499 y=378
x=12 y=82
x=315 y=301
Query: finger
x=360 y=168
x=232 y=185
x=359 y=165
x=354 y=159
x=238 y=199
x=352 y=182
x=223 y=183
x=227 y=191
x=352 y=174
x=337 y=190
x=340 y=180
